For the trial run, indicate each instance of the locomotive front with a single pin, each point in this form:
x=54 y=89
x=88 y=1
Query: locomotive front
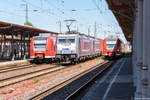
x=43 y=48
x=66 y=48
x=111 y=46
x=38 y=48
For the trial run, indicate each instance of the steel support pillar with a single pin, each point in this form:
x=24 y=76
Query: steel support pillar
x=12 y=47
x=24 y=46
x=1 y=47
x=134 y=54
x=5 y=48
x=21 y=46
x=146 y=50
x=139 y=44
x=28 y=44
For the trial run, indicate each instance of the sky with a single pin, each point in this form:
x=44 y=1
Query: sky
x=47 y=14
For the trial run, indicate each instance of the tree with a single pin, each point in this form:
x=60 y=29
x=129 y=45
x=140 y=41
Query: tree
x=29 y=24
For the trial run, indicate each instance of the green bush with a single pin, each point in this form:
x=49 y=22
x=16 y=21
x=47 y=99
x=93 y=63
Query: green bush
x=36 y=80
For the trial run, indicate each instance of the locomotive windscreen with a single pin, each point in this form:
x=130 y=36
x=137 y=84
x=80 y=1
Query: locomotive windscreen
x=40 y=45
x=66 y=40
x=110 y=44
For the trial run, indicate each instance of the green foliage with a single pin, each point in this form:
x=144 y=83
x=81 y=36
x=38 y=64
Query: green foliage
x=28 y=23
x=101 y=57
x=36 y=80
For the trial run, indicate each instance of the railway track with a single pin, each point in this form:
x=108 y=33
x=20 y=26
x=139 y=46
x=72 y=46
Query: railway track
x=60 y=85
x=26 y=76
x=40 y=68
x=86 y=84
x=7 y=69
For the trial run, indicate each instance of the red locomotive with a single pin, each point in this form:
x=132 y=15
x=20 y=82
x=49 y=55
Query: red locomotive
x=43 y=48
x=111 y=47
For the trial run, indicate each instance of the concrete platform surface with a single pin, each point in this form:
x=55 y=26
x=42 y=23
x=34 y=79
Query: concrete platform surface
x=15 y=62
x=117 y=84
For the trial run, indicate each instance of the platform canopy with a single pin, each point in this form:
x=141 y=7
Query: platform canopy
x=10 y=28
x=124 y=11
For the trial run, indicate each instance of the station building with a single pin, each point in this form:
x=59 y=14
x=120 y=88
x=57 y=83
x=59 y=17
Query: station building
x=14 y=40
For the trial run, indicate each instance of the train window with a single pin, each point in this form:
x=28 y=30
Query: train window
x=39 y=44
x=86 y=45
x=66 y=40
x=71 y=40
x=40 y=47
x=110 y=46
x=62 y=40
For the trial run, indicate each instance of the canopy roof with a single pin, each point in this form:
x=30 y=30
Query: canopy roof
x=10 y=28
x=124 y=12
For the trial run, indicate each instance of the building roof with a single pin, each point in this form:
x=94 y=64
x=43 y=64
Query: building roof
x=10 y=28
x=124 y=11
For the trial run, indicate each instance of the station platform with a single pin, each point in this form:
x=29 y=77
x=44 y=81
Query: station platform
x=117 y=84
x=4 y=63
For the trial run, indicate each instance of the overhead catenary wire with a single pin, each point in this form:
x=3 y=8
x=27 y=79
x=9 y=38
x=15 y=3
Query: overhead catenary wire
x=43 y=10
x=59 y=9
x=48 y=10
x=8 y=12
x=101 y=11
x=55 y=6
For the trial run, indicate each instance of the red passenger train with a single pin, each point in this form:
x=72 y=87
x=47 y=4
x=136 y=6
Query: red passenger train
x=72 y=47
x=43 y=48
x=111 y=47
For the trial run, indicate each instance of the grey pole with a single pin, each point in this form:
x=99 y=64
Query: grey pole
x=95 y=29
x=89 y=31
x=26 y=16
x=60 y=26
x=146 y=49
x=139 y=44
